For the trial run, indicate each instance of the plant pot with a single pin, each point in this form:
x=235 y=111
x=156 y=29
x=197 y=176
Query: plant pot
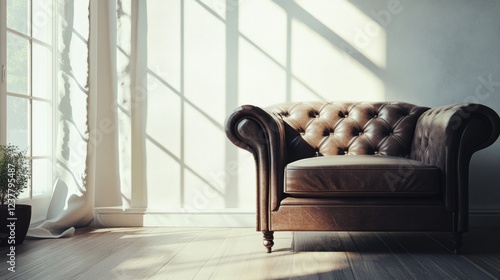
x=14 y=224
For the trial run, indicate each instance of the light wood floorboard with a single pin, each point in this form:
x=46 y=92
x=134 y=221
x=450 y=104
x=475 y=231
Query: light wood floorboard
x=237 y=253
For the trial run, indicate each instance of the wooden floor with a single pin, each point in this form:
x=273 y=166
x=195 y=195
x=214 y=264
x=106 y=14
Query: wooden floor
x=237 y=253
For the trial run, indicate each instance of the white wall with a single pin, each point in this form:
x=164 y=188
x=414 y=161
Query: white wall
x=206 y=57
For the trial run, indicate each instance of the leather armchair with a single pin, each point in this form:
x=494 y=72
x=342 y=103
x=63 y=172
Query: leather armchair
x=362 y=166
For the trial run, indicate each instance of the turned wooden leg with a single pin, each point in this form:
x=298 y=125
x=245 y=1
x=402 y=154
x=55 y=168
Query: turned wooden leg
x=268 y=240
x=457 y=242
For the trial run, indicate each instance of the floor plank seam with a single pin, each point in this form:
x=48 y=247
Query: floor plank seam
x=397 y=257
x=212 y=256
x=177 y=253
x=439 y=243
x=412 y=256
x=478 y=267
x=351 y=264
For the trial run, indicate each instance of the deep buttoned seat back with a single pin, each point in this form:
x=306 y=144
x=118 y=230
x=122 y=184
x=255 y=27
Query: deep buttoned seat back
x=337 y=128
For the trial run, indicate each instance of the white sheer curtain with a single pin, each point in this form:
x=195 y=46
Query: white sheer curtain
x=72 y=200
x=100 y=103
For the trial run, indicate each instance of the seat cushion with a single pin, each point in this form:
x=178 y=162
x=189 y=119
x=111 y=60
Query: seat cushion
x=360 y=175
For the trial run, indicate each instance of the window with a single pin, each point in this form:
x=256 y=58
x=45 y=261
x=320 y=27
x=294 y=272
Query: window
x=28 y=86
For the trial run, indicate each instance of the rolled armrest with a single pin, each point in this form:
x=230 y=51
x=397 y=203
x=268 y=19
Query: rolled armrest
x=261 y=133
x=447 y=137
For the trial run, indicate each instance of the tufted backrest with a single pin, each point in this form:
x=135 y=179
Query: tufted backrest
x=354 y=128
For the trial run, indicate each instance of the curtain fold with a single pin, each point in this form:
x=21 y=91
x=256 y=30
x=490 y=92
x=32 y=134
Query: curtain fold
x=120 y=105
x=106 y=145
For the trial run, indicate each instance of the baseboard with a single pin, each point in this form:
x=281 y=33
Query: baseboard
x=116 y=217
x=484 y=218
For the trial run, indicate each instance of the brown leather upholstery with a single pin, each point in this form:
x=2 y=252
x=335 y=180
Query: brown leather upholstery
x=348 y=128
x=366 y=176
x=431 y=195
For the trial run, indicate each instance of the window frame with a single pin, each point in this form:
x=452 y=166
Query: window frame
x=40 y=203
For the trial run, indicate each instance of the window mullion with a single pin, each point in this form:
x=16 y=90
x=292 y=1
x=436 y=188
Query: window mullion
x=3 y=63
x=55 y=86
x=30 y=90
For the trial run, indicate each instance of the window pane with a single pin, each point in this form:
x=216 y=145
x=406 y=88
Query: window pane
x=42 y=20
x=42 y=72
x=41 y=177
x=17 y=64
x=17 y=122
x=42 y=129
x=26 y=191
x=18 y=15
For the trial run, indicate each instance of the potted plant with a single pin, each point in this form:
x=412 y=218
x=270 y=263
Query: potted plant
x=14 y=175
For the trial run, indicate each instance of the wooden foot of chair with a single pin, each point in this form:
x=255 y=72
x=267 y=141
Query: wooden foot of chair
x=268 y=240
x=457 y=242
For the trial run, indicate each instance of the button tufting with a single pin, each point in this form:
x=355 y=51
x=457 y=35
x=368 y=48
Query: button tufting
x=328 y=124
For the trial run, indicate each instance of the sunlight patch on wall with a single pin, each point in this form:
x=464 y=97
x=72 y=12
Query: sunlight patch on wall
x=186 y=98
x=205 y=101
x=163 y=141
x=163 y=115
x=329 y=71
x=261 y=80
x=264 y=24
x=262 y=53
x=200 y=195
x=205 y=58
x=204 y=145
x=163 y=178
x=164 y=41
x=301 y=92
x=278 y=55
x=355 y=27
